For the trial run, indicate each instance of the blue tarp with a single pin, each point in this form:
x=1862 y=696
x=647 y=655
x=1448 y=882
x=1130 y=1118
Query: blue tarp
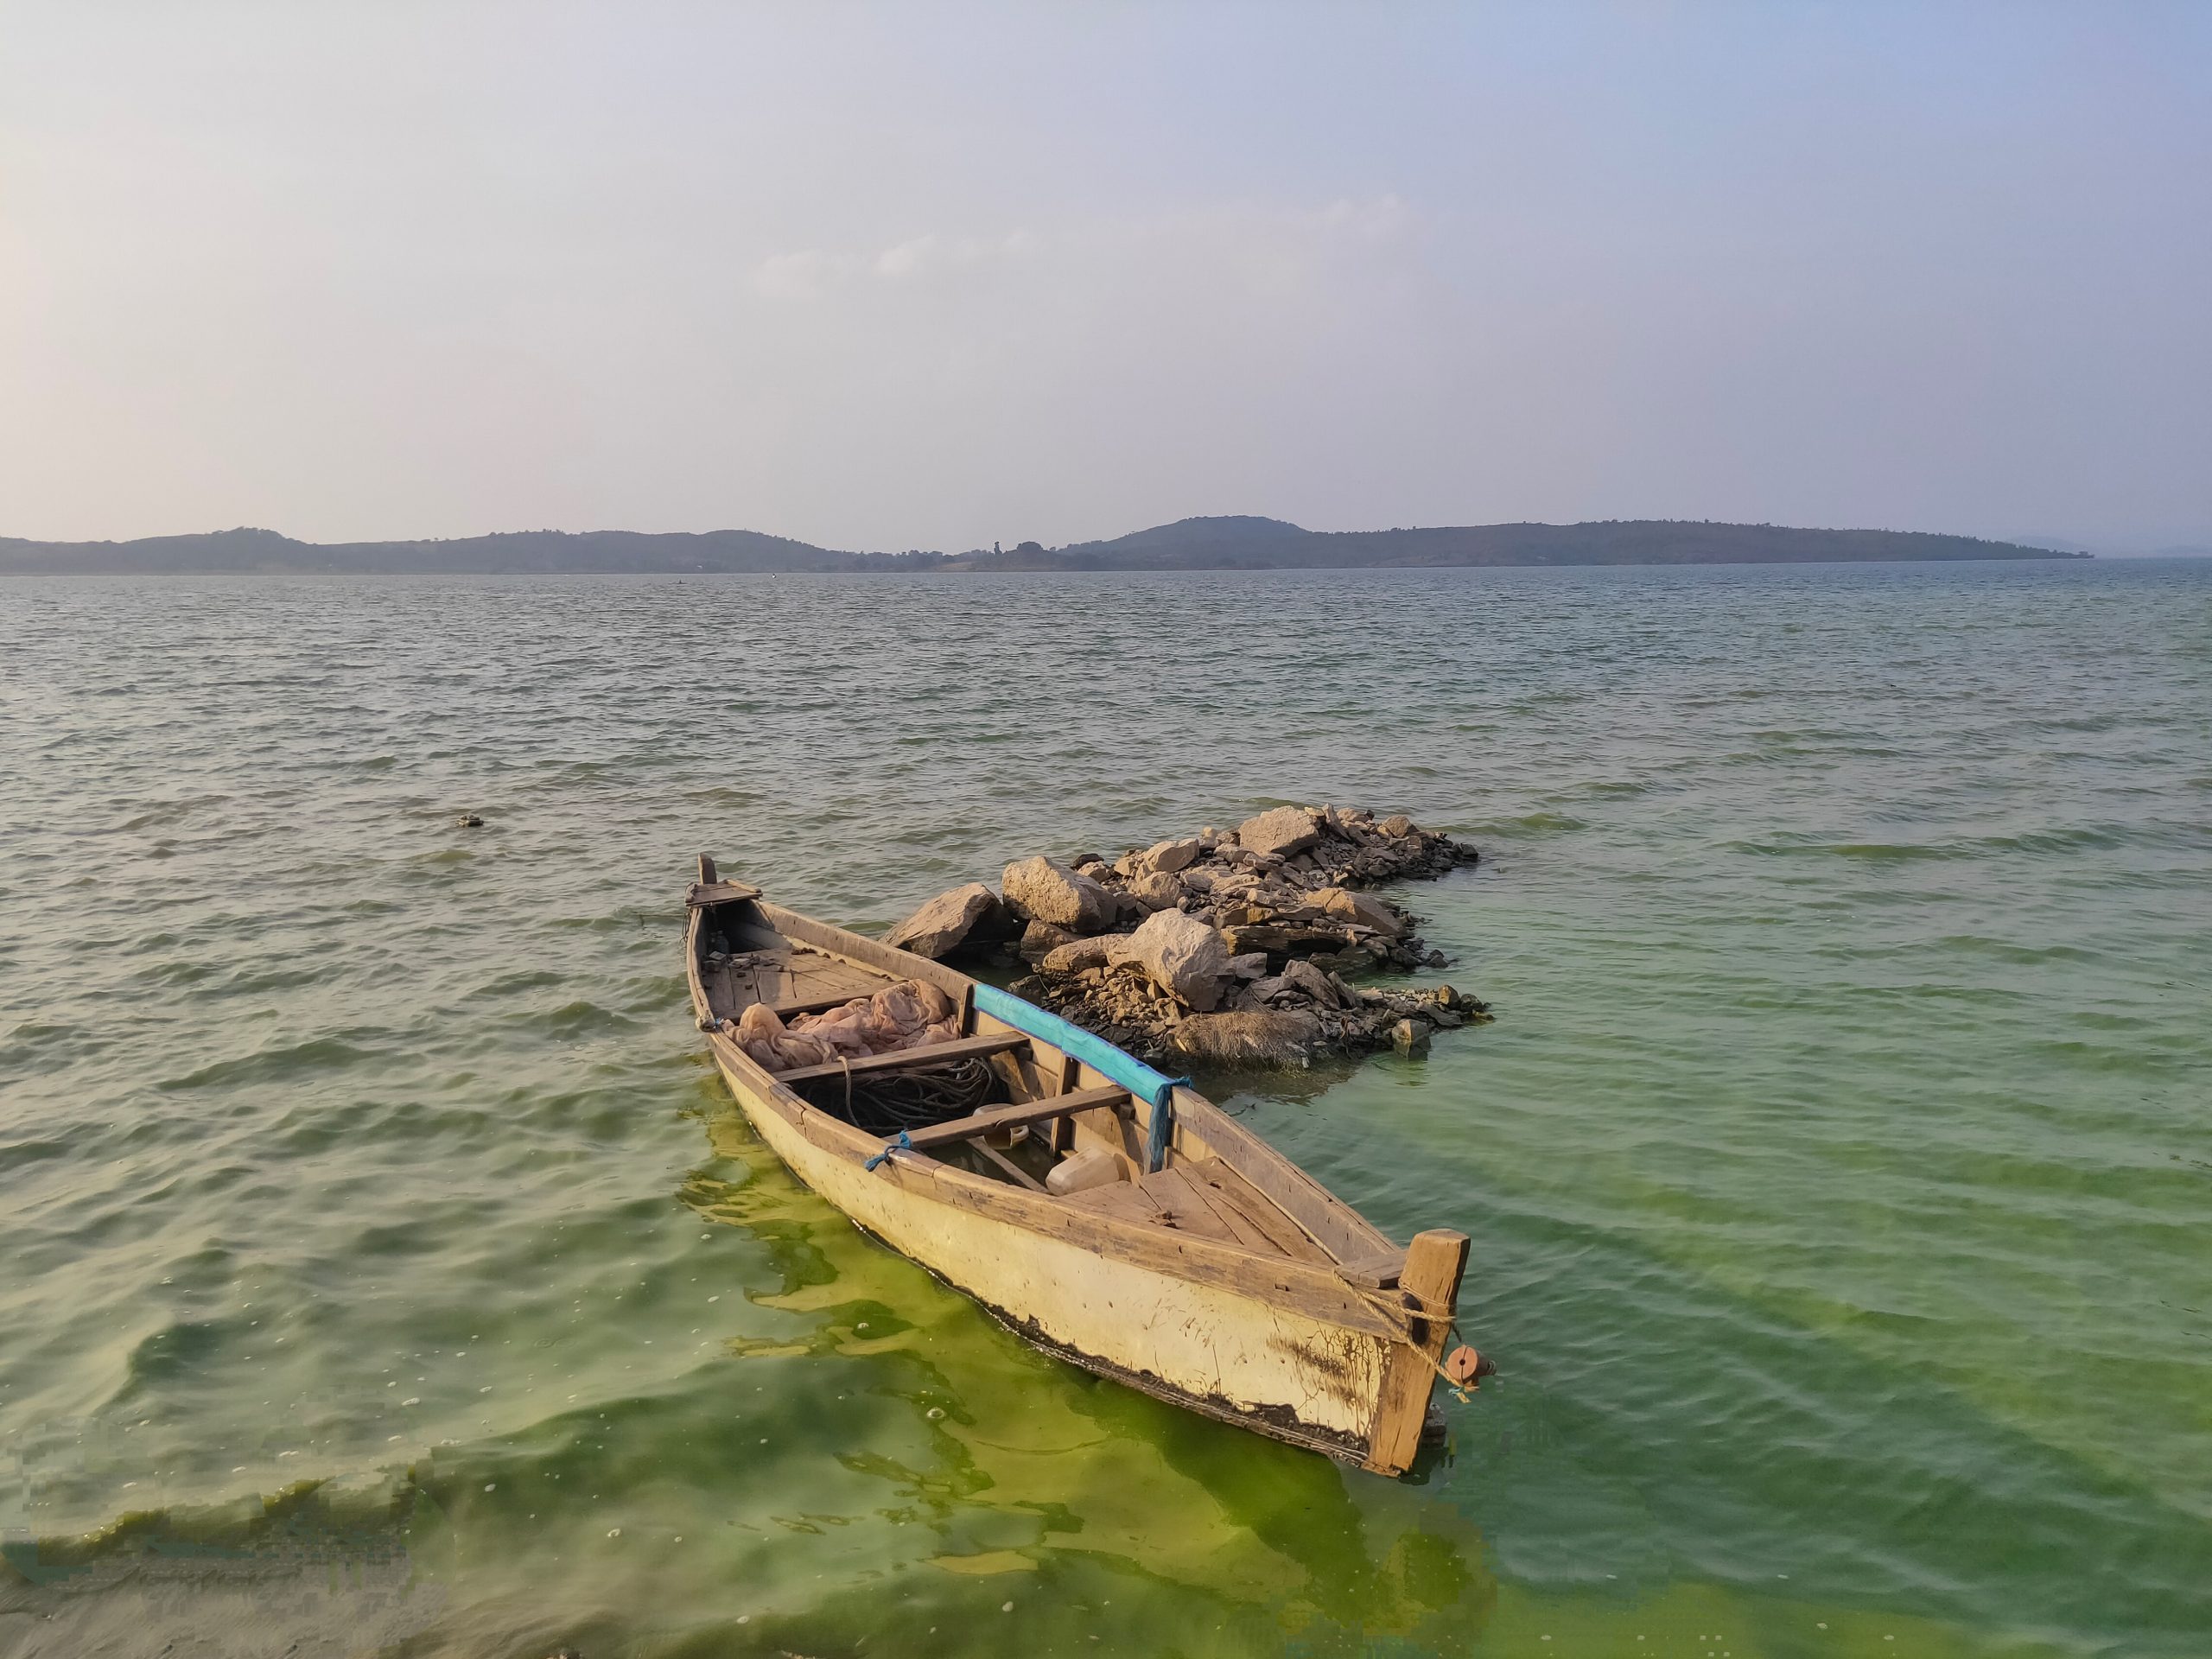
x=1133 y=1074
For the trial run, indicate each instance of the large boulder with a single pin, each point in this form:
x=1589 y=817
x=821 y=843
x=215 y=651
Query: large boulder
x=1183 y=954
x=1313 y=983
x=1103 y=951
x=1278 y=834
x=1249 y=1039
x=940 y=927
x=1155 y=890
x=1040 y=939
x=1042 y=891
x=1360 y=907
x=1167 y=856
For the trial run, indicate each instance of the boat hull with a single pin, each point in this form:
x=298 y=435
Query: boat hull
x=1232 y=1283
x=1301 y=1376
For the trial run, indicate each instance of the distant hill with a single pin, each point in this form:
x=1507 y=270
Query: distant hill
x=1269 y=544
x=529 y=552
x=1219 y=543
x=1228 y=530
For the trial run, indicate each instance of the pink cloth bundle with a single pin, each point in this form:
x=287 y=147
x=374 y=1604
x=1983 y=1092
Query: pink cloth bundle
x=910 y=1015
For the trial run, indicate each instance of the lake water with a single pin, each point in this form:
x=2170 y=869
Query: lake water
x=384 y=1268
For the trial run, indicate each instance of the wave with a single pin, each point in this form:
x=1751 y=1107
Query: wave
x=2080 y=838
x=176 y=1350
x=165 y=812
x=1528 y=824
x=33 y=1152
x=302 y=1059
x=578 y=1018
x=533 y=979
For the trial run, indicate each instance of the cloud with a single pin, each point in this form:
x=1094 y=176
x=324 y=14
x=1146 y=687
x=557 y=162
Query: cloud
x=1270 y=244
x=929 y=254
x=805 y=275
x=811 y=273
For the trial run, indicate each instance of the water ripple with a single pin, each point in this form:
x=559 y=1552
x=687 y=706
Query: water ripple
x=1835 y=1172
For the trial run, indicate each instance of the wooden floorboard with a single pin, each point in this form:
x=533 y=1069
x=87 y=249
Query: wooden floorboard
x=793 y=981
x=1195 y=1210
x=1168 y=1199
x=1234 y=1193
x=1241 y=1226
x=1121 y=1198
x=1210 y=1200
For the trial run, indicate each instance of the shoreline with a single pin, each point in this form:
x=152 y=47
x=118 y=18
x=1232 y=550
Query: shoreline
x=1188 y=545
x=512 y=573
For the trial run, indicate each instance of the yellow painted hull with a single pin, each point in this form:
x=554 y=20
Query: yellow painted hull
x=1229 y=1354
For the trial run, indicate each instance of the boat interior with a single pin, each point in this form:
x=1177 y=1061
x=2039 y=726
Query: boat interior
x=1009 y=1106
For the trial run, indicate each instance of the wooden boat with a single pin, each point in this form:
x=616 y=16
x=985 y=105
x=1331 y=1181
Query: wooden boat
x=1213 y=1273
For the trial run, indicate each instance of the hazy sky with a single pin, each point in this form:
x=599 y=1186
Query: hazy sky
x=931 y=276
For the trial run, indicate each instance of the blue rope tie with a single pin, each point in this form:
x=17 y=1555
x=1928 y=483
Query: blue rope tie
x=904 y=1140
x=1163 y=1125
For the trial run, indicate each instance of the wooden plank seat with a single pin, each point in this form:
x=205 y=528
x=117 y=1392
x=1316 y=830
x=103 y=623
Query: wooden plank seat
x=1006 y=1117
x=961 y=1048
x=821 y=1004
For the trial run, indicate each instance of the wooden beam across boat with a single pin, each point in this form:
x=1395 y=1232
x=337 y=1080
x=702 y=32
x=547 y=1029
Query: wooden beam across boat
x=1007 y=1117
x=992 y=1154
x=815 y=1004
x=1222 y=1277
x=963 y=1048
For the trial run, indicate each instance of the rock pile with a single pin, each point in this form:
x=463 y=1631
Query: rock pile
x=1228 y=946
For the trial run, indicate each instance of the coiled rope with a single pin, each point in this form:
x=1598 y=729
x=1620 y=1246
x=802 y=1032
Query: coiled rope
x=912 y=1098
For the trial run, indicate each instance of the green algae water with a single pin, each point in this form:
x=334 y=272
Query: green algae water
x=385 y=1271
